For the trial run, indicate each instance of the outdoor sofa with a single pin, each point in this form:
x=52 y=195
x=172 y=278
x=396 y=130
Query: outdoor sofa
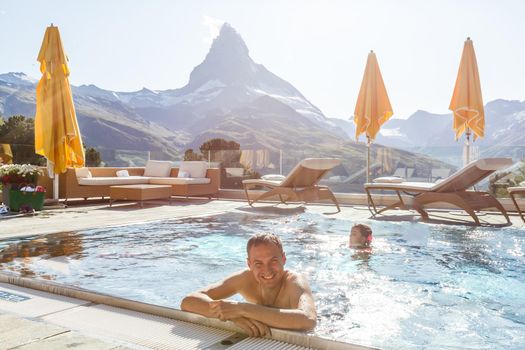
x=191 y=179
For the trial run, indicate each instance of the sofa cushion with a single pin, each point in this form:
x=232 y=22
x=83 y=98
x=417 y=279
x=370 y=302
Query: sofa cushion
x=194 y=168
x=82 y=173
x=105 y=181
x=179 y=181
x=122 y=173
x=157 y=168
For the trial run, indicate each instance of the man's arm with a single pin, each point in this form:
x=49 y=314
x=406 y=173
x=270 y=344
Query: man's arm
x=302 y=315
x=199 y=302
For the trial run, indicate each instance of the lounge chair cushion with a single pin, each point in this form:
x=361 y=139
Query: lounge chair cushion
x=157 y=168
x=82 y=173
x=389 y=179
x=273 y=177
x=404 y=186
x=196 y=169
x=122 y=173
x=179 y=181
x=105 y=181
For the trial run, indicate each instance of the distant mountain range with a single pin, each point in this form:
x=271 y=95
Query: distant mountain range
x=505 y=125
x=230 y=96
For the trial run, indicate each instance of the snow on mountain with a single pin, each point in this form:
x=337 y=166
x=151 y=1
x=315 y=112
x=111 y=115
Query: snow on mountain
x=18 y=78
x=231 y=78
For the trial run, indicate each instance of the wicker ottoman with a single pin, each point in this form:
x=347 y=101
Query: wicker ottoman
x=139 y=193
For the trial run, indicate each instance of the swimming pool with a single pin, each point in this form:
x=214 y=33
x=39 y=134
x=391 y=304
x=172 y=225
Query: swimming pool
x=422 y=286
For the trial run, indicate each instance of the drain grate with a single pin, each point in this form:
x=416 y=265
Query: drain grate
x=226 y=343
x=14 y=298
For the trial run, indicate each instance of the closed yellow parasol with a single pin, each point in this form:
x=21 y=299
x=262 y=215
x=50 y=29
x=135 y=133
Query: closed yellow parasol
x=6 y=155
x=373 y=107
x=57 y=136
x=467 y=101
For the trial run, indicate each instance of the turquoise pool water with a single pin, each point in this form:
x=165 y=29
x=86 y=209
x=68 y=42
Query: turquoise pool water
x=422 y=286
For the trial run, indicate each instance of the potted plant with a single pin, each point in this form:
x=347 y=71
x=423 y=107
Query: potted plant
x=14 y=175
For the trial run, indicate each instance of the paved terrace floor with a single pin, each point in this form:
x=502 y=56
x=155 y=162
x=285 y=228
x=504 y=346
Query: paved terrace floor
x=46 y=321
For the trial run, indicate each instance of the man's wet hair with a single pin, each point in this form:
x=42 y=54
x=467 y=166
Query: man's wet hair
x=264 y=238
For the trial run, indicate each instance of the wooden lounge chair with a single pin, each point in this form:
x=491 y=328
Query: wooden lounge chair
x=301 y=184
x=453 y=190
x=514 y=191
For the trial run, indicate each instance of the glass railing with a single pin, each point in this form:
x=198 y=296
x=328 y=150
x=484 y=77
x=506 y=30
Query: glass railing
x=416 y=164
x=238 y=165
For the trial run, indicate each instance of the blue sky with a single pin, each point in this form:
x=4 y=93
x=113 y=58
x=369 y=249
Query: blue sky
x=318 y=46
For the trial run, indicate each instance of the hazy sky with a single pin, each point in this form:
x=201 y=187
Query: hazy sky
x=318 y=46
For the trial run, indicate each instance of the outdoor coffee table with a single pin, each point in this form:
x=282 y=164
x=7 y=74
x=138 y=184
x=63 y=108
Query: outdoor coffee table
x=139 y=193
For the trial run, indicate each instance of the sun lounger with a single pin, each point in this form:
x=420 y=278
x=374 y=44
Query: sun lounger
x=514 y=191
x=301 y=184
x=453 y=190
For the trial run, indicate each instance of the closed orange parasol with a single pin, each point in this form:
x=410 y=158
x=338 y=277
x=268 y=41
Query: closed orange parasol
x=467 y=101
x=373 y=107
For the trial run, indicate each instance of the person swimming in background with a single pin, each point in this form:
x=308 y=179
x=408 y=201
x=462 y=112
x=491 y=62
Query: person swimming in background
x=360 y=236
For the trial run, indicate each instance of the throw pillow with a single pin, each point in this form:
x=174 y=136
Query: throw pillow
x=196 y=169
x=184 y=174
x=122 y=173
x=157 y=168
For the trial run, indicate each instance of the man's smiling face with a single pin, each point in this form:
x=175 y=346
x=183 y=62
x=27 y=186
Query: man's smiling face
x=266 y=261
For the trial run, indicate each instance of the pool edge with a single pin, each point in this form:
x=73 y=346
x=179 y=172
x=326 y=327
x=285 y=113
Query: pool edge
x=290 y=337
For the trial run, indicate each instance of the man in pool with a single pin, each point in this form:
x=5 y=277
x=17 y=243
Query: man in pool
x=275 y=297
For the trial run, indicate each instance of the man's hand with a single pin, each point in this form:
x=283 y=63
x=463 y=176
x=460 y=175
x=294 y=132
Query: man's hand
x=254 y=328
x=226 y=309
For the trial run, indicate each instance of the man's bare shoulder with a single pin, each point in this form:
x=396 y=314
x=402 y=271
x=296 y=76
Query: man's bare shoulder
x=295 y=279
x=238 y=278
x=244 y=275
x=297 y=292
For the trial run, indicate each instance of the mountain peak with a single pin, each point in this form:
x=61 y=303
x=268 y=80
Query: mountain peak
x=228 y=42
x=228 y=61
x=146 y=91
x=18 y=78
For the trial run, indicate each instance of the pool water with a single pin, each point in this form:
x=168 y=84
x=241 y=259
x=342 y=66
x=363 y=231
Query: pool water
x=420 y=286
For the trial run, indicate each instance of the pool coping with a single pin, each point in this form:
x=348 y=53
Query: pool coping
x=286 y=336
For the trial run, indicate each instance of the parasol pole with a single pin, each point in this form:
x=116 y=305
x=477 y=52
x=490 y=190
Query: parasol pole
x=468 y=146
x=52 y=175
x=368 y=159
